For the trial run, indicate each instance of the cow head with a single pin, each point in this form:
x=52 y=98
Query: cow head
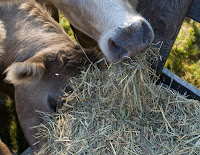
x=39 y=85
x=119 y=30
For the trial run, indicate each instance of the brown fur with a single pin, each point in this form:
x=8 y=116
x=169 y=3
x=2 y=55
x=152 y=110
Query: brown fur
x=4 y=149
x=40 y=58
x=9 y=2
x=32 y=18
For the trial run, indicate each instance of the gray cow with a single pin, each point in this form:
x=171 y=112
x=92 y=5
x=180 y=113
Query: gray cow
x=165 y=17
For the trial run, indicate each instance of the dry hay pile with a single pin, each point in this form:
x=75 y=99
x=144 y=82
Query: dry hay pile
x=121 y=110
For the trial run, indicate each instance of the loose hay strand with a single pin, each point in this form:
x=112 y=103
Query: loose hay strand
x=121 y=110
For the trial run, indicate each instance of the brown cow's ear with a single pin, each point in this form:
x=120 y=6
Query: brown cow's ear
x=24 y=72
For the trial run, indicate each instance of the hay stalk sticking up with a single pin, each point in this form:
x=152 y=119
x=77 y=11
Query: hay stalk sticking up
x=121 y=110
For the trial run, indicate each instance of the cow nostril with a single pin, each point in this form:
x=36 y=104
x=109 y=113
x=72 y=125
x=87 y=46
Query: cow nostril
x=147 y=34
x=144 y=24
x=118 y=47
x=113 y=44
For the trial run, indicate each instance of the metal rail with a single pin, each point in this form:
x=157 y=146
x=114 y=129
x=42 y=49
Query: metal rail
x=183 y=87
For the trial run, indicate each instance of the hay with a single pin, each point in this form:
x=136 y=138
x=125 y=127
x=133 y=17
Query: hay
x=121 y=110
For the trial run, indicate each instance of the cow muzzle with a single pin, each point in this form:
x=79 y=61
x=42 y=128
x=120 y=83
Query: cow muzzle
x=128 y=41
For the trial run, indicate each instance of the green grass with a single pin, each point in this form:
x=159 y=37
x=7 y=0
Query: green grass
x=184 y=59
x=66 y=26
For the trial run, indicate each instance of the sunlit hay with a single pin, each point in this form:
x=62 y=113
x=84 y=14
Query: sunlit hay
x=121 y=110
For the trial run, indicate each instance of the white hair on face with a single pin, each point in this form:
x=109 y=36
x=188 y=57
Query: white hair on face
x=24 y=72
x=2 y=32
x=2 y=37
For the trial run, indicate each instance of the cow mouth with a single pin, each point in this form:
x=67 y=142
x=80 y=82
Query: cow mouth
x=118 y=53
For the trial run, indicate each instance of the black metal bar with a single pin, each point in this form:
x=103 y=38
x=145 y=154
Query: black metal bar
x=183 y=87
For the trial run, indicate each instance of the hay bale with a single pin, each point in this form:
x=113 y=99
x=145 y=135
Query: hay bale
x=121 y=110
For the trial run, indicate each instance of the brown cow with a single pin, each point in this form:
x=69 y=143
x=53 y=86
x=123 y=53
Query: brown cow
x=117 y=37
x=4 y=150
x=40 y=58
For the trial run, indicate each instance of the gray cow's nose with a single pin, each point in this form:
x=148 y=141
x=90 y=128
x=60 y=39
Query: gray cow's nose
x=148 y=34
x=138 y=34
x=132 y=39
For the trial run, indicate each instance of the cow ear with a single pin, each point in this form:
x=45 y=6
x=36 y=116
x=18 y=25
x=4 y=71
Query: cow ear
x=24 y=72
